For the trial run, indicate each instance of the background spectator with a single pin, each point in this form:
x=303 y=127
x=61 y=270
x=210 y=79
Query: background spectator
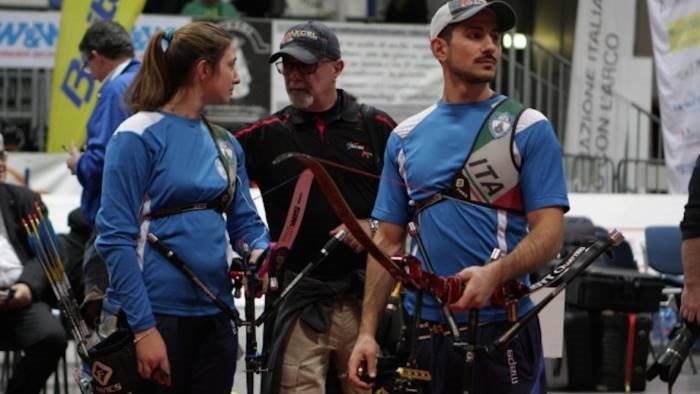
x=210 y=9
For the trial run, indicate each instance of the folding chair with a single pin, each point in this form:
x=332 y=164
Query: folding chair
x=663 y=250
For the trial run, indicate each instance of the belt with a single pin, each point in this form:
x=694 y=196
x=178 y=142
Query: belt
x=427 y=328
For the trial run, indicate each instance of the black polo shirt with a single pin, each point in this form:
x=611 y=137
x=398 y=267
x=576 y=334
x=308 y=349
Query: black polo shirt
x=339 y=135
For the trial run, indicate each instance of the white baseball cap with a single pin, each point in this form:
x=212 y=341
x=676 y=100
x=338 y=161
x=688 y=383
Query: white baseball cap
x=460 y=10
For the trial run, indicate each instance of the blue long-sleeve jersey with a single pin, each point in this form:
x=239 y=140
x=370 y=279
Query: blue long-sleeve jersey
x=157 y=161
x=426 y=151
x=110 y=111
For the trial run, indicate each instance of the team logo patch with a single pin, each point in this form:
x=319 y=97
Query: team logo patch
x=227 y=152
x=500 y=124
x=101 y=372
x=220 y=169
x=226 y=149
x=357 y=147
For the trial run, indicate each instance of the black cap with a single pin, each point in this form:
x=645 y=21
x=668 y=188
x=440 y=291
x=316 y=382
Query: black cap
x=309 y=43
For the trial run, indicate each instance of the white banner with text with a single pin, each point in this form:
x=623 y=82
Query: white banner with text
x=675 y=30
x=28 y=39
x=610 y=89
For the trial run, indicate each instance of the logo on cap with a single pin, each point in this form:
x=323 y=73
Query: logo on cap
x=460 y=5
x=309 y=43
x=299 y=33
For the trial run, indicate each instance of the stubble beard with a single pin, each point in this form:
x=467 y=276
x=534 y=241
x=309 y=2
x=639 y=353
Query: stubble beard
x=474 y=78
x=471 y=77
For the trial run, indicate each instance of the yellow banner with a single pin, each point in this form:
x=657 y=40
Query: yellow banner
x=74 y=91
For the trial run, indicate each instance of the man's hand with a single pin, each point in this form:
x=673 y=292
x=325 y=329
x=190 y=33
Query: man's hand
x=349 y=239
x=479 y=284
x=152 y=356
x=690 y=299
x=539 y=246
x=365 y=350
x=72 y=162
x=690 y=303
x=21 y=298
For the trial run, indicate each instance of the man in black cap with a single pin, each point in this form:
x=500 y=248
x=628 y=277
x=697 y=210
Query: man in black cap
x=485 y=173
x=317 y=326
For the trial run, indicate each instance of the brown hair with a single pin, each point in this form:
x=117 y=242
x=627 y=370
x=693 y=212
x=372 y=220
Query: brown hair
x=169 y=59
x=446 y=33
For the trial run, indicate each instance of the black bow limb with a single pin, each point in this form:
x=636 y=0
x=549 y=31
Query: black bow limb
x=581 y=259
x=242 y=270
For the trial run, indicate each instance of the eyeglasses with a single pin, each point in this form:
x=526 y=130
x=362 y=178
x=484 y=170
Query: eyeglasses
x=286 y=68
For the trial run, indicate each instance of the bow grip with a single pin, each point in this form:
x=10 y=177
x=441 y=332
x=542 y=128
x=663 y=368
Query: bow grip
x=454 y=286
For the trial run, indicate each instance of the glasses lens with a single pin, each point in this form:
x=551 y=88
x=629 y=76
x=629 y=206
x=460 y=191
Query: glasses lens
x=307 y=68
x=286 y=68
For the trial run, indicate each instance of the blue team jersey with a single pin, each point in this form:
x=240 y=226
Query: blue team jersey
x=423 y=155
x=157 y=161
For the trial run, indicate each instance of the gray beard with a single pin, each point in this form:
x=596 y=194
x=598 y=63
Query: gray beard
x=301 y=100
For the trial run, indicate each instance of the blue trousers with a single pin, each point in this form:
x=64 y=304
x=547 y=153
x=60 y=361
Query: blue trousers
x=516 y=369
x=202 y=352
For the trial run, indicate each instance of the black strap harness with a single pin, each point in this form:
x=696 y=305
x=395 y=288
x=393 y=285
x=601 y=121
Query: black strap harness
x=218 y=204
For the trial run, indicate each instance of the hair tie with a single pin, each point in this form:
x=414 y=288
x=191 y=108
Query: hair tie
x=167 y=38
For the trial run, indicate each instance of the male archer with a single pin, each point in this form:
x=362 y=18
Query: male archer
x=483 y=172
x=317 y=326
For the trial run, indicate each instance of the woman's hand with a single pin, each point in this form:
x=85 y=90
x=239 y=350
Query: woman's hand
x=262 y=286
x=152 y=356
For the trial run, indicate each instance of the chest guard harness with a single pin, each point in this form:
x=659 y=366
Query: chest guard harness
x=227 y=158
x=490 y=175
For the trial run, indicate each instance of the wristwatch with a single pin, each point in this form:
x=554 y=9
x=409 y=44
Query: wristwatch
x=373 y=226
